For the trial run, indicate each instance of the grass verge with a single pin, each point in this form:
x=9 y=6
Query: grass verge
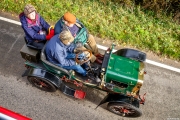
x=127 y=25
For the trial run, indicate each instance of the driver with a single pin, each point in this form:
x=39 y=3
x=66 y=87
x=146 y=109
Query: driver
x=60 y=51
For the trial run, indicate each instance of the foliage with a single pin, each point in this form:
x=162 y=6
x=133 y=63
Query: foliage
x=118 y=20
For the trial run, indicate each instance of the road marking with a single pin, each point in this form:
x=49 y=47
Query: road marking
x=105 y=48
x=14 y=43
x=9 y=20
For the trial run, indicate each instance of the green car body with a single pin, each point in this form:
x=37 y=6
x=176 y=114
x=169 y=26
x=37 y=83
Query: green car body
x=121 y=75
x=124 y=73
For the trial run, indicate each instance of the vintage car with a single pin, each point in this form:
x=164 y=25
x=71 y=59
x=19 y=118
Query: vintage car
x=121 y=75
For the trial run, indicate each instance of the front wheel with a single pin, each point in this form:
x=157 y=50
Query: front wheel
x=42 y=84
x=124 y=109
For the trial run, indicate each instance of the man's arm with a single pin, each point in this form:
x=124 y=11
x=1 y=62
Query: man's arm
x=71 y=48
x=58 y=27
x=61 y=58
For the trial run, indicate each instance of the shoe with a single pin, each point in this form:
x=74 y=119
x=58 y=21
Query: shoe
x=98 y=61
x=94 y=68
x=99 y=56
x=93 y=77
x=90 y=75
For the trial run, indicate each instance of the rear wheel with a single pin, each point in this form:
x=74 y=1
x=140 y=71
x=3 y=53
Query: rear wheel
x=124 y=109
x=42 y=84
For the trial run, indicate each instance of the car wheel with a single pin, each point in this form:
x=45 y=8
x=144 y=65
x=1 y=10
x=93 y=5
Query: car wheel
x=42 y=84
x=124 y=109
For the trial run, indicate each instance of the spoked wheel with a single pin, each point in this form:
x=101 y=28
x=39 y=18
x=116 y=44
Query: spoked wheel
x=42 y=84
x=123 y=109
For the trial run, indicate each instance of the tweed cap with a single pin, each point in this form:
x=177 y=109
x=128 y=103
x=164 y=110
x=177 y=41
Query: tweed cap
x=29 y=9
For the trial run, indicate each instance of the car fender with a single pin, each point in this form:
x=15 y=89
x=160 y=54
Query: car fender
x=43 y=74
x=132 y=54
x=114 y=97
x=37 y=72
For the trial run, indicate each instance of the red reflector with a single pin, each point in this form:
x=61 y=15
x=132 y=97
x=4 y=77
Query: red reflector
x=79 y=94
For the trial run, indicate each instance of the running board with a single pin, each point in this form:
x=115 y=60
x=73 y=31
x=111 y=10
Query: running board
x=56 y=81
x=72 y=92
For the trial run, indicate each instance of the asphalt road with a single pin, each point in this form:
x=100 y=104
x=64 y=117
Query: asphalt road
x=162 y=88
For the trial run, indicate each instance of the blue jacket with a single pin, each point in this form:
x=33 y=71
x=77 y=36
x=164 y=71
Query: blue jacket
x=32 y=29
x=81 y=36
x=59 y=26
x=56 y=52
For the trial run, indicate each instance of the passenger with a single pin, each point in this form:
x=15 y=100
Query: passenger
x=60 y=51
x=69 y=22
x=35 y=27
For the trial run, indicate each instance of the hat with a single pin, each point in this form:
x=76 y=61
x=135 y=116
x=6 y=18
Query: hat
x=66 y=37
x=69 y=17
x=29 y=9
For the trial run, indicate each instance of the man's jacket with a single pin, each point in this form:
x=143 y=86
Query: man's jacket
x=33 y=29
x=56 y=52
x=81 y=36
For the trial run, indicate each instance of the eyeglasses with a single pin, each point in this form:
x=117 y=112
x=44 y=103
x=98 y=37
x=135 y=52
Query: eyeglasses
x=64 y=21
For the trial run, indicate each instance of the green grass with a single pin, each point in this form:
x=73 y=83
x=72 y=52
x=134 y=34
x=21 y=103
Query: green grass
x=127 y=25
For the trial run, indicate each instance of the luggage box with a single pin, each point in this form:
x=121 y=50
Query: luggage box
x=30 y=54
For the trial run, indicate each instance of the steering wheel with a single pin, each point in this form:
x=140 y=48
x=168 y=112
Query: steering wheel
x=85 y=59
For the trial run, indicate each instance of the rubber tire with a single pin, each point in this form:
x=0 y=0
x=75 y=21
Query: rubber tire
x=51 y=88
x=137 y=111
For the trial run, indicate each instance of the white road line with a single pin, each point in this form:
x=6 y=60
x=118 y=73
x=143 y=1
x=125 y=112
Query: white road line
x=9 y=20
x=105 y=48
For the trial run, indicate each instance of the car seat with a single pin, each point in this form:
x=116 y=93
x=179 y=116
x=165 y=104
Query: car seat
x=30 y=46
x=50 y=66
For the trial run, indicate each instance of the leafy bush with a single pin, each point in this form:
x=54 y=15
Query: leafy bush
x=118 y=20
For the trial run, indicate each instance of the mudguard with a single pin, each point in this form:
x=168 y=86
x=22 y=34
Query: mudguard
x=132 y=54
x=37 y=72
x=113 y=97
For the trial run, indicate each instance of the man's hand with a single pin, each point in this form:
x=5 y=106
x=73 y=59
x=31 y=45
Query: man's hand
x=79 y=49
x=86 y=54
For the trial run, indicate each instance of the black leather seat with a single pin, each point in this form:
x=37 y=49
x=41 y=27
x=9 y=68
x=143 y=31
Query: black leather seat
x=132 y=54
x=29 y=45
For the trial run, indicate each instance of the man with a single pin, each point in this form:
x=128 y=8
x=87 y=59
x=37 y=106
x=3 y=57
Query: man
x=69 y=22
x=60 y=51
x=35 y=27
